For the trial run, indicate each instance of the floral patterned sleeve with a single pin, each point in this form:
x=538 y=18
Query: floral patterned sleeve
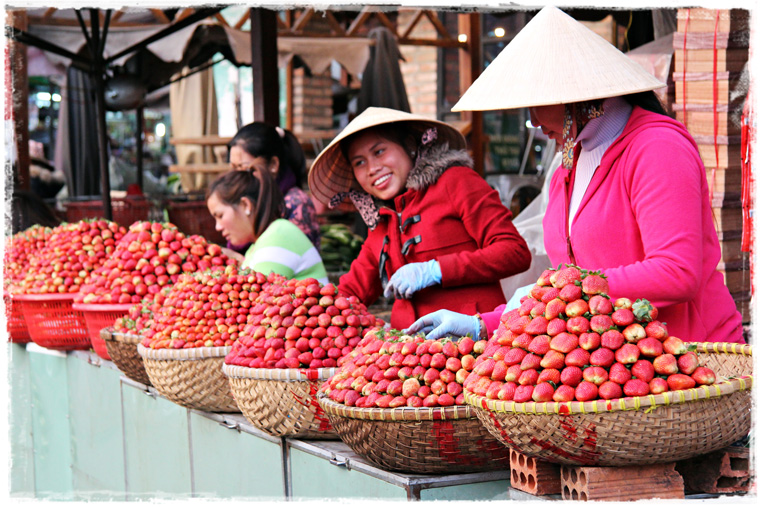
x=301 y=211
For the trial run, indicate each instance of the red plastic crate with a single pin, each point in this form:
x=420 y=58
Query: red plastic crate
x=98 y=316
x=193 y=217
x=126 y=211
x=53 y=323
x=17 y=330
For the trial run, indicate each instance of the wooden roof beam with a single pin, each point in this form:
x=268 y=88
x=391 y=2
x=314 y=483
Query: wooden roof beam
x=417 y=17
x=245 y=17
x=362 y=18
x=302 y=20
x=336 y=27
x=433 y=17
x=159 y=15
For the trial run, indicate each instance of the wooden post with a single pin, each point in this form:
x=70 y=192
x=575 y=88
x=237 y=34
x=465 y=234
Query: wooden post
x=17 y=99
x=266 y=87
x=100 y=111
x=140 y=121
x=289 y=81
x=470 y=67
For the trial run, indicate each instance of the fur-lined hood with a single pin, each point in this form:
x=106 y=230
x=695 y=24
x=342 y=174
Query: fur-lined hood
x=431 y=166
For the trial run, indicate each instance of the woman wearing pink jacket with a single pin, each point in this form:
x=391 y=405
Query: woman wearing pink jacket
x=631 y=198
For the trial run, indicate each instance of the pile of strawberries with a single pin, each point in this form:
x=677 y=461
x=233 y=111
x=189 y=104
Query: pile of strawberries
x=140 y=315
x=20 y=248
x=150 y=256
x=67 y=256
x=301 y=324
x=388 y=371
x=207 y=309
x=569 y=341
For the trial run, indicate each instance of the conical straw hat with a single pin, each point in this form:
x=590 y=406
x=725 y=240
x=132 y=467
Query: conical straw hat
x=331 y=173
x=555 y=60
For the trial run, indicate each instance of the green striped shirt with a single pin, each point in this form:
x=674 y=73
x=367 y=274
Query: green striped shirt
x=285 y=250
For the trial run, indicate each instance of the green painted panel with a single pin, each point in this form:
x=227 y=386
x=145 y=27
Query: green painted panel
x=157 y=450
x=492 y=490
x=20 y=422
x=315 y=478
x=97 y=444
x=50 y=426
x=232 y=464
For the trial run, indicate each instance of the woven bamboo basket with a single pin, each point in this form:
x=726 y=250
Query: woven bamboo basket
x=192 y=378
x=438 y=440
x=660 y=428
x=122 y=348
x=282 y=402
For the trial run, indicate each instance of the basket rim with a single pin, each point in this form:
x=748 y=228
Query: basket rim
x=648 y=402
x=283 y=374
x=399 y=414
x=102 y=307
x=108 y=334
x=66 y=296
x=197 y=353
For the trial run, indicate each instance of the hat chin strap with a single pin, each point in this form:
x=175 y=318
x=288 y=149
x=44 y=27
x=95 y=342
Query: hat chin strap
x=579 y=113
x=363 y=203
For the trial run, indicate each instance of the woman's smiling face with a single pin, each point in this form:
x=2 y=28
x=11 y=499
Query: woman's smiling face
x=380 y=166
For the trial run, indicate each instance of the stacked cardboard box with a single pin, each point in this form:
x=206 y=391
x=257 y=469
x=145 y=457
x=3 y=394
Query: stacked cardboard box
x=711 y=80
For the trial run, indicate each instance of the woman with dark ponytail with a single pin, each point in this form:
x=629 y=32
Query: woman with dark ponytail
x=262 y=147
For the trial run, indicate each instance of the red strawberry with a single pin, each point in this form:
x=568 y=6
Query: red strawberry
x=570 y=293
x=602 y=357
x=644 y=311
x=537 y=292
x=600 y=305
x=657 y=329
x=481 y=386
x=622 y=317
x=564 y=342
x=499 y=371
x=523 y=341
x=543 y=392
x=503 y=336
x=514 y=356
x=530 y=361
x=610 y=391
x=540 y=344
x=565 y=276
x=513 y=373
x=545 y=278
x=612 y=339
x=643 y=370
x=601 y=323
x=538 y=310
x=523 y=393
x=627 y=354
x=586 y=391
x=679 y=381
x=650 y=347
x=596 y=375
x=634 y=333
x=658 y=385
x=507 y=391
x=703 y=376
x=465 y=345
x=571 y=376
x=595 y=283
x=688 y=362
x=510 y=316
x=528 y=377
x=577 y=357
x=556 y=326
x=537 y=326
x=500 y=353
x=554 y=308
x=549 y=295
x=553 y=359
x=590 y=341
x=674 y=345
x=518 y=325
x=492 y=392
x=410 y=387
x=450 y=349
x=619 y=373
x=576 y=308
x=622 y=303
x=485 y=368
x=578 y=325
x=636 y=387
x=564 y=393
x=549 y=375
x=528 y=305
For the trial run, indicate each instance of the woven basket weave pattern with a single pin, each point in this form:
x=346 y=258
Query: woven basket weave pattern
x=123 y=351
x=282 y=408
x=189 y=379
x=669 y=430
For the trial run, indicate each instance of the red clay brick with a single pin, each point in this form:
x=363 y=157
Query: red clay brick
x=621 y=483
x=724 y=471
x=534 y=476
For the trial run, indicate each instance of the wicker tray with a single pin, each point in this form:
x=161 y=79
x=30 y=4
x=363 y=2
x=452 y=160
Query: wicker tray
x=192 y=378
x=661 y=428
x=282 y=402
x=97 y=317
x=440 y=440
x=122 y=348
x=52 y=322
x=17 y=330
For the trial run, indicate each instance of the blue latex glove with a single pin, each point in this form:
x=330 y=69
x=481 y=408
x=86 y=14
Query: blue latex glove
x=445 y=322
x=412 y=277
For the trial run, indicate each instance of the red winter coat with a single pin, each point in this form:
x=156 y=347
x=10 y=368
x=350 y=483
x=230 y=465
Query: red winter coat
x=448 y=213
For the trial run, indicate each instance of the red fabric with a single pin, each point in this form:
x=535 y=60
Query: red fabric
x=465 y=227
x=646 y=222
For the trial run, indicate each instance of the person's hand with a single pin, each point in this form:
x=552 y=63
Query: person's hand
x=445 y=322
x=410 y=278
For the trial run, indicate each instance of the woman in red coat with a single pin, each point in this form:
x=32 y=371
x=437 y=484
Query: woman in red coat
x=439 y=237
